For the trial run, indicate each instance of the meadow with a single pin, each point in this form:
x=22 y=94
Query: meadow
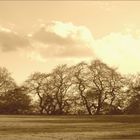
x=29 y=127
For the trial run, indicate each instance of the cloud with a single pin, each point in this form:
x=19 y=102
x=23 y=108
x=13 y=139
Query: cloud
x=66 y=42
x=70 y=42
x=11 y=41
x=58 y=39
x=121 y=50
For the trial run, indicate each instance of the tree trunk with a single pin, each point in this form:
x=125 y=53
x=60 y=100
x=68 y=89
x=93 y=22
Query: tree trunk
x=99 y=105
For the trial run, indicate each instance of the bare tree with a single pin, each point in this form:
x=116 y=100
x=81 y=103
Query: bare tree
x=6 y=81
x=37 y=85
x=106 y=84
x=81 y=82
x=61 y=82
x=91 y=87
x=52 y=90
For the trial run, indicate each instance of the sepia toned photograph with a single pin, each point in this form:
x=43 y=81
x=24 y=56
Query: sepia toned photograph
x=69 y=70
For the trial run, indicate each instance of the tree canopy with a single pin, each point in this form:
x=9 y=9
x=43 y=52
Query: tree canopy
x=85 y=88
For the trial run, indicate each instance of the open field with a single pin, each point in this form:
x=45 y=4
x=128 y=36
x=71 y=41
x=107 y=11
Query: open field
x=69 y=127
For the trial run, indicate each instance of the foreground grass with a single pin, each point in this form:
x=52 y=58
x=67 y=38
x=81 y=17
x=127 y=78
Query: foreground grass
x=69 y=127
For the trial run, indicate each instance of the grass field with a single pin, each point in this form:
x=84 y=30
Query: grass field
x=69 y=127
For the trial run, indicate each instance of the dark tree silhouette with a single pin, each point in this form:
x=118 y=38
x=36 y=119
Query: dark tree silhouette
x=15 y=101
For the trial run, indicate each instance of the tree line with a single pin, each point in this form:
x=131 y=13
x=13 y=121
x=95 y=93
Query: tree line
x=93 y=89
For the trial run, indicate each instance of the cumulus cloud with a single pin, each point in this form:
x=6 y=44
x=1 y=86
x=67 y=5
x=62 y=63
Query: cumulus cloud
x=66 y=40
x=58 y=39
x=75 y=43
x=121 y=50
x=11 y=41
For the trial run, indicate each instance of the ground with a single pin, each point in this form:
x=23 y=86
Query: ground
x=17 y=127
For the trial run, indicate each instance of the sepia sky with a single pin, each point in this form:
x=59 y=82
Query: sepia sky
x=37 y=36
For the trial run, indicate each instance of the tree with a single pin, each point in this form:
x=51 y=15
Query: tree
x=98 y=85
x=133 y=95
x=106 y=84
x=133 y=105
x=81 y=82
x=12 y=98
x=6 y=81
x=15 y=101
x=61 y=83
x=92 y=88
x=51 y=90
x=38 y=84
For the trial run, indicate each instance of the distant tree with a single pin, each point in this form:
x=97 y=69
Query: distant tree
x=52 y=90
x=12 y=98
x=133 y=95
x=6 y=81
x=15 y=101
x=81 y=82
x=38 y=84
x=106 y=85
x=92 y=88
x=133 y=105
x=61 y=83
x=97 y=84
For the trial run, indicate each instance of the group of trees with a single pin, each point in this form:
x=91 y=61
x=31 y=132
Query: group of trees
x=93 y=88
x=13 y=99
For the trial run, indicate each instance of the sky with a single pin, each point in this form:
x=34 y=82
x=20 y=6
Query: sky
x=38 y=35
